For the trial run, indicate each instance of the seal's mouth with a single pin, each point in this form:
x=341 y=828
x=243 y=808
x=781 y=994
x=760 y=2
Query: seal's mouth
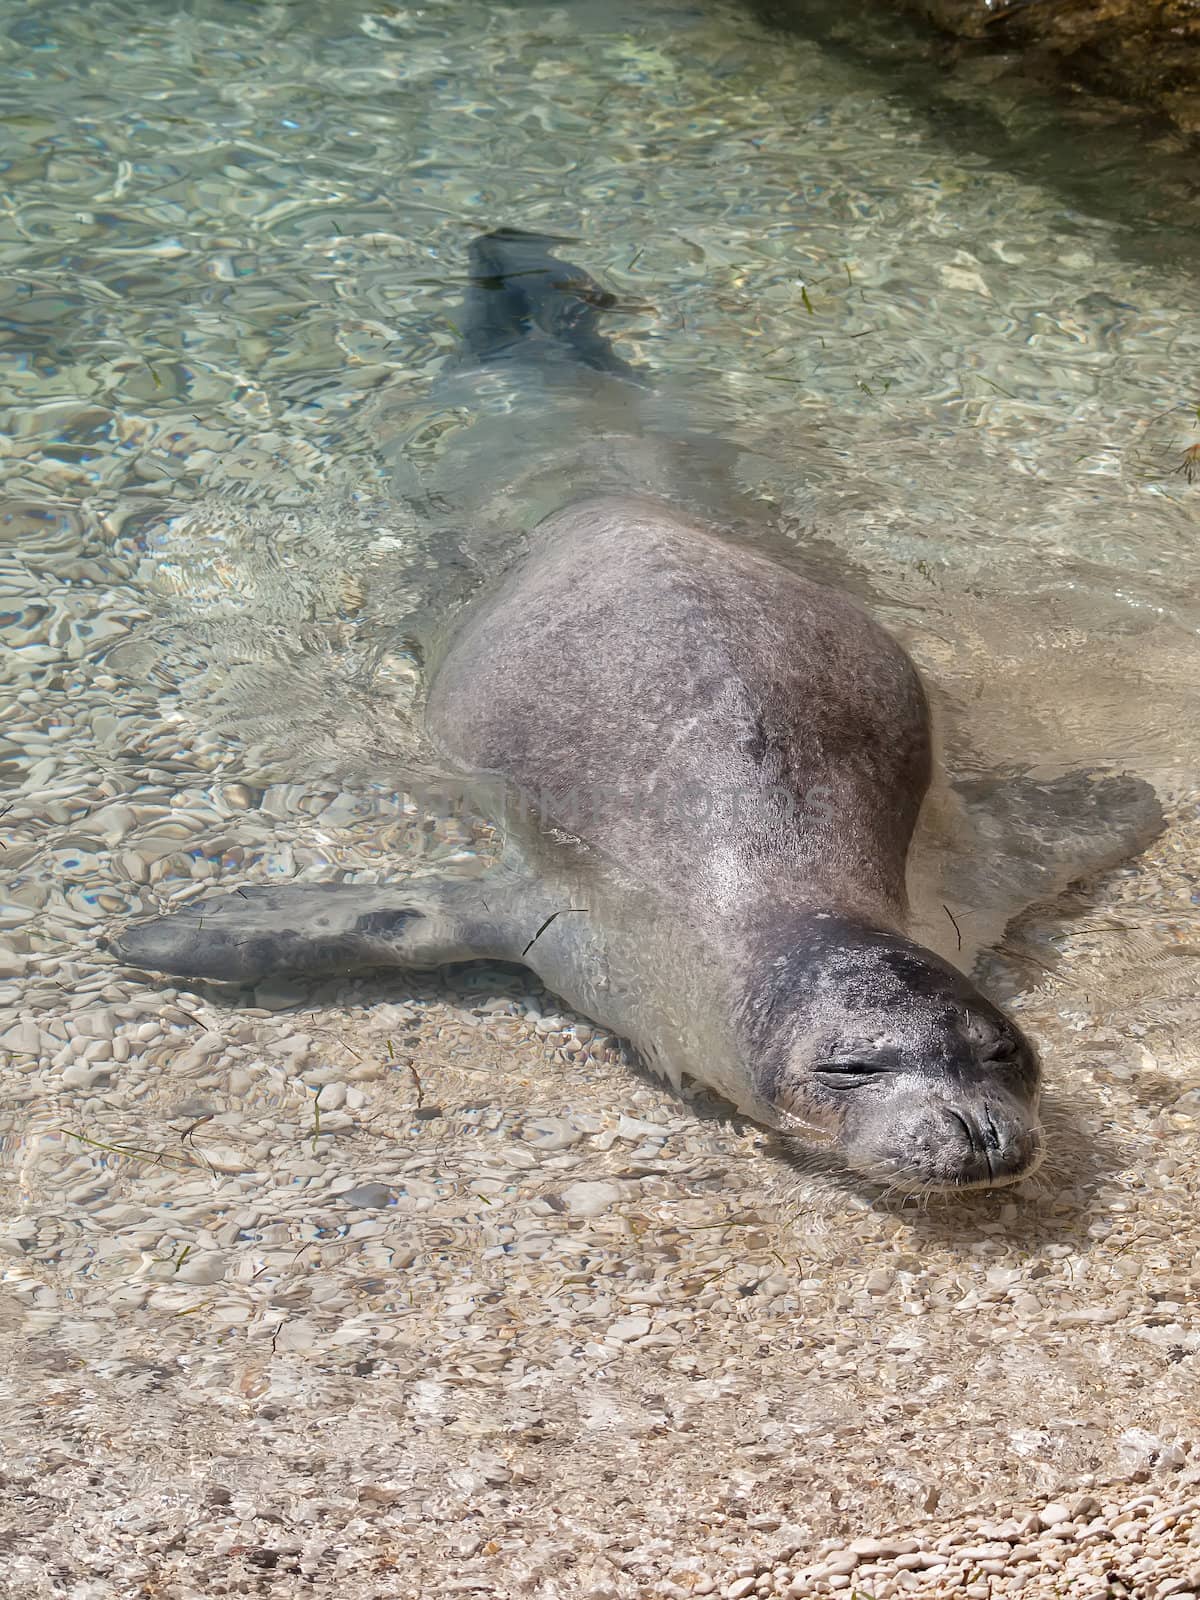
x=952 y=1150
x=922 y=1148
x=905 y=1178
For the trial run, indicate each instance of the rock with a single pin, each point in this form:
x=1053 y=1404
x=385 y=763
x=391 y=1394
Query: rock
x=225 y=1159
x=627 y=1328
x=1146 y=52
x=80 y=1074
x=12 y=965
x=550 y=1133
x=95 y=1024
x=1139 y=1450
x=875 y=1549
x=1095 y=1315
x=203 y=1268
x=197 y=1053
x=278 y=994
x=241 y=797
x=23 y=1040
x=590 y=1198
x=1003 y=1277
x=366 y=1196
x=634 y=1128
x=1050 y=1516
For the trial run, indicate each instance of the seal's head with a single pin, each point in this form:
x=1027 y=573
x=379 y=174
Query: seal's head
x=887 y=1052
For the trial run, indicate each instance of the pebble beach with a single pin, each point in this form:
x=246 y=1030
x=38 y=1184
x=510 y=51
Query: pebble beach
x=417 y=1286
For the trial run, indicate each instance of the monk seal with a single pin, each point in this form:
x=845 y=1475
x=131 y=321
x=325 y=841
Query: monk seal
x=712 y=770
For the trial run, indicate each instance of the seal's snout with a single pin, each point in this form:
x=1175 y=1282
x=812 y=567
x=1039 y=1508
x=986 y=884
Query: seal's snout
x=924 y=1143
x=985 y=1148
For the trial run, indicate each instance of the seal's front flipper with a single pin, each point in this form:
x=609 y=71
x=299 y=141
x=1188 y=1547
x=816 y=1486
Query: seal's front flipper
x=524 y=304
x=311 y=928
x=992 y=847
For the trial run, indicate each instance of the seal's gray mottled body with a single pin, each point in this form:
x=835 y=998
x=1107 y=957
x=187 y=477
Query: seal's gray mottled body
x=773 y=715
x=714 y=769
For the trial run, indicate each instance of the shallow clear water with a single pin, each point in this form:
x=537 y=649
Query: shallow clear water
x=235 y=238
x=954 y=357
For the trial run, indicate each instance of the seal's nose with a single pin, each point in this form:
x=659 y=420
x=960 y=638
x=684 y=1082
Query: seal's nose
x=916 y=1140
x=986 y=1148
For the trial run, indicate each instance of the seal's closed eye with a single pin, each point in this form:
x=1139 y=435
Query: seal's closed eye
x=848 y=1074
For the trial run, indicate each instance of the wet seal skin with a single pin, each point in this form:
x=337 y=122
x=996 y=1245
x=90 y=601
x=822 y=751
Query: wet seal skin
x=758 y=942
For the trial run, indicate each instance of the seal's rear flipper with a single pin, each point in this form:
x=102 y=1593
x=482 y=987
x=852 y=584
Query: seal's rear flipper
x=526 y=305
x=344 y=927
x=1001 y=845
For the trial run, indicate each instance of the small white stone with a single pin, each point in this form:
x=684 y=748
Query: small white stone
x=95 y=1024
x=590 y=1199
x=550 y=1133
x=626 y=1328
x=78 y=1075
x=1003 y=1277
x=24 y=1040
x=1050 y=1516
x=12 y=965
x=875 y=1548
x=231 y=1313
x=645 y=1297
x=224 y=1159
x=366 y=1196
x=206 y=1268
x=634 y=1128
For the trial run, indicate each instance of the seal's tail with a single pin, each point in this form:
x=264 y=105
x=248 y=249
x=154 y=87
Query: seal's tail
x=525 y=305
